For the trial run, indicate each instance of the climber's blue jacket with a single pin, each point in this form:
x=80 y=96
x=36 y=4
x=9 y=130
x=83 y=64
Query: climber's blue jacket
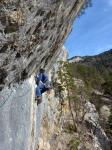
x=44 y=84
x=42 y=77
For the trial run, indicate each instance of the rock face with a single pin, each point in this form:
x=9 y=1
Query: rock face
x=20 y=118
x=53 y=117
x=92 y=119
x=17 y=116
x=31 y=34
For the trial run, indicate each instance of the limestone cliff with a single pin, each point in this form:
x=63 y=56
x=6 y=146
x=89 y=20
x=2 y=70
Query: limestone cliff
x=32 y=33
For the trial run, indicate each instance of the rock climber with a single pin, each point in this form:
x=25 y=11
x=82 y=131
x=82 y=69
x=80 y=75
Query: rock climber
x=43 y=85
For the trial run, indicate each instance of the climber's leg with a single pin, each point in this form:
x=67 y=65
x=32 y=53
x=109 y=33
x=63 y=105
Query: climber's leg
x=38 y=96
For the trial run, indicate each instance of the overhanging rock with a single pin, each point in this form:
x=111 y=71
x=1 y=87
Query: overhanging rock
x=31 y=34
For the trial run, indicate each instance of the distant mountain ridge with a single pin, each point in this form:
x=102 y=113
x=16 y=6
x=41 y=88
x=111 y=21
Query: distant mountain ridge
x=108 y=52
x=100 y=61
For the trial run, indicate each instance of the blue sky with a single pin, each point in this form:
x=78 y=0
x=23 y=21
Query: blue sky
x=92 y=32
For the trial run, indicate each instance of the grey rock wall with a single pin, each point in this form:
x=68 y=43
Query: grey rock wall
x=20 y=118
x=92 y=121
x=17 y=116
x=31 y=34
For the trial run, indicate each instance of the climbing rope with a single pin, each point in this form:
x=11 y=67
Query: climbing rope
x=2 y=97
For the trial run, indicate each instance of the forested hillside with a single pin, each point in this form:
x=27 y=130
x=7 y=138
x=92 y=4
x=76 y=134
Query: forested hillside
x=96 y=73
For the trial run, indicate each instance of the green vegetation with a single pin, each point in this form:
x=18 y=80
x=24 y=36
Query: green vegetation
x=69 y=127
x=96 y=76
x=67 y=82
x=96 y=79
x=73 y=144
x=75 y=95
x=96 y=73
x=107 y=86
x=97 y=67
x=88 y=74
